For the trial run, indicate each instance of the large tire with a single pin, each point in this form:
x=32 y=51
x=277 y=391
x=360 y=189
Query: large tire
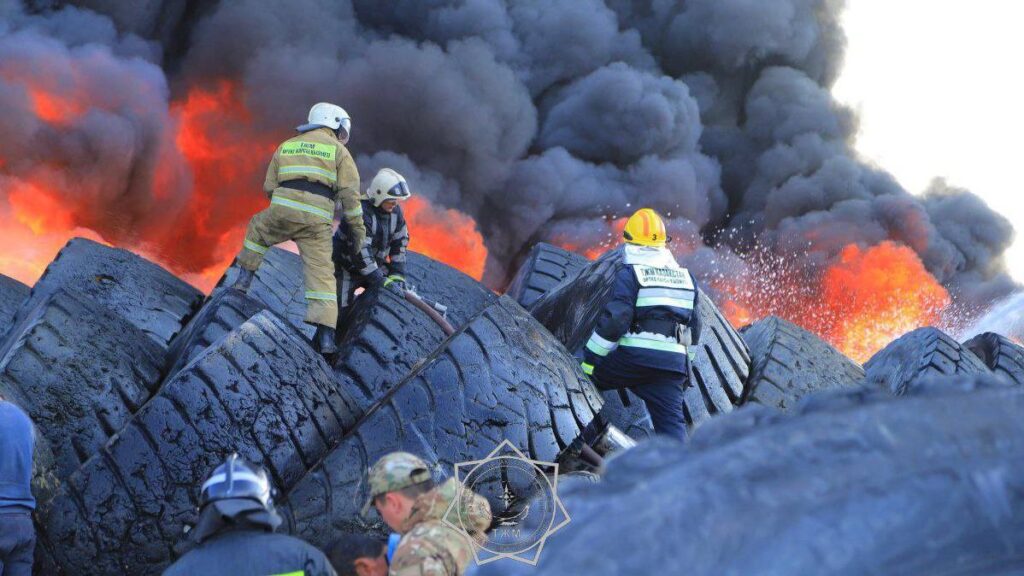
x=12 y=294
x=279 y=286
x=719 y=372
x=919 y=354
x=80 y=372
x=789 y=363
x=149 y=297
x=503 y=377
x=545 y=267
x=259 y=391
x=384 y=339
x=873 y=485
x=225 y=310
x=438 y=282
x=1000 y=354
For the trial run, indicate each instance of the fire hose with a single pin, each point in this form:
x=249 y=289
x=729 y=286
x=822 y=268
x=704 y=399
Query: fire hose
x=430 y=309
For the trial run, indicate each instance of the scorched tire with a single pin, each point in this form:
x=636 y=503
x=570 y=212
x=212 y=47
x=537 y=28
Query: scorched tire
x=279 y=286
x=545 y=267
x=226 y=310
x=384 y=339
x=149 y=297
x=80 y=372
x=919 y=354
x=12 y=294
x=438 y=282
x=719 y=371
x=1000 y=354
x=871 y=485
x=788 y=363
x=503 y=377
x=260 y=391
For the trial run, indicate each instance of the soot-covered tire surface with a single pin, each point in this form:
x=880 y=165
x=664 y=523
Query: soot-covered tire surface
x=865 y=485
x=545 y=267
x=225 y=310
x=80 y=372
x=919 y=354
x=1000 y=354
x=438 y=282
x=719 y=371
x=788 y=363
x=12 y=294
x=260 y=391
x=149 y=297
x=384 y=339
x=503 y=377
x=278 y=285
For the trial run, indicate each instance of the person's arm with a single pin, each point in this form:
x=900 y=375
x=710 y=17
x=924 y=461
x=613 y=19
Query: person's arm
x=399 y=246
x=615 y=319
x=348 y=195
x=695 y=322
x=270 y=182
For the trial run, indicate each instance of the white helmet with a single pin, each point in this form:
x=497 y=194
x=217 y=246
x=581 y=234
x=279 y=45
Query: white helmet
x=330 y=116
x=387 y=185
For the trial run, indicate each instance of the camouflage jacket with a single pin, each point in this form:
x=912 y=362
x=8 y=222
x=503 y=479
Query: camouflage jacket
x=429 y=547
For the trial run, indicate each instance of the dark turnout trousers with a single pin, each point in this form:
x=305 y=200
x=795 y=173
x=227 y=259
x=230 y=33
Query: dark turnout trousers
x=661 y=391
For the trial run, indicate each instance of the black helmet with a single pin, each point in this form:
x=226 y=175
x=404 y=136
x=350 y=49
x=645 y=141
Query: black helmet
x=236 y=487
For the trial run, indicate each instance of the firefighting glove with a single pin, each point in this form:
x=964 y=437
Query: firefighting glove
x=396 y=284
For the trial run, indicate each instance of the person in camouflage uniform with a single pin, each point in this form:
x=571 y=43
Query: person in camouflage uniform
x=405 y=495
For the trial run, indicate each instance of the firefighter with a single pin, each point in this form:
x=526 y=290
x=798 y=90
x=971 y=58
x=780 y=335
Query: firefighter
x=642 y=337
x=384 y=247
x=17 y=533
x=307 y=175
x=235 y=532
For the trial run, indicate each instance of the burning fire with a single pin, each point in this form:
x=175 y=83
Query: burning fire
x=213 y=157
x=446 y=235
x=859 y=304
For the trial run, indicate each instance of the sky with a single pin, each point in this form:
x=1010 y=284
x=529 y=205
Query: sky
x=940 y=92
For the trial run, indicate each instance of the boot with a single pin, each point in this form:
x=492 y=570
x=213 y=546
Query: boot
x=244 y=280
x=323 y=340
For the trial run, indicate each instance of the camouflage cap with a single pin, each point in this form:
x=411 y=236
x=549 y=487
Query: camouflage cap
x=393 y=472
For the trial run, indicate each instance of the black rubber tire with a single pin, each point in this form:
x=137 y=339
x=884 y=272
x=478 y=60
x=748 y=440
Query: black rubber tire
x=384 y=339
x=279 y=286
x=260 y=391
x=80 y=372
x=439 y=282
x=788 y=363
x=224 y=311
x=867 y=487
x=149 y=297
x=1000 y=354
x=918 y=354
x=722 y=364
x=503 y=377
x=545 y=267
x=630 y=416
x=12 y=294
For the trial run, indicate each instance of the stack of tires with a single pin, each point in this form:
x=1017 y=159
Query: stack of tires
x=140 y=386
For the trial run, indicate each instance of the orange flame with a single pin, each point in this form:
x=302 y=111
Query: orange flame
x=446 y=235
x=859 y=304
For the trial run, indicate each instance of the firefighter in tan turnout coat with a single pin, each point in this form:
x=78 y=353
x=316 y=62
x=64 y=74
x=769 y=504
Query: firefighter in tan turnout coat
x=307 y=176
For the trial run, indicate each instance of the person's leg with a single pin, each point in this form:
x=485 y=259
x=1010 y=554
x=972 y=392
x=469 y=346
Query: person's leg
x=318 y=270
x=17 y=545
x=265 y=230
x=663 y=395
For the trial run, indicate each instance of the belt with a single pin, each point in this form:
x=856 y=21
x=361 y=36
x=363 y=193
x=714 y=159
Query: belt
x=311 y=187
x=663 y=326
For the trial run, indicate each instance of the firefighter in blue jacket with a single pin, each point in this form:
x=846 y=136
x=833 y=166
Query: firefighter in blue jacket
x=642 y=337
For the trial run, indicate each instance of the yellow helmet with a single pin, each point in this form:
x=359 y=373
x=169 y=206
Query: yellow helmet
x=646 y=228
